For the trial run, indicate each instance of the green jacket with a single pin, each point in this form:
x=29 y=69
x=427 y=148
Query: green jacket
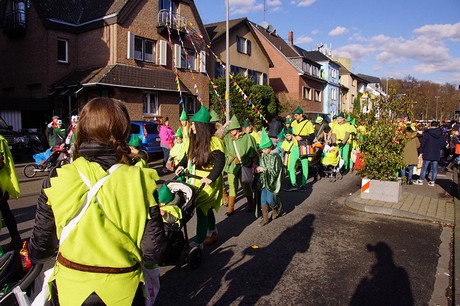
x=247 y=149
x=272 y=176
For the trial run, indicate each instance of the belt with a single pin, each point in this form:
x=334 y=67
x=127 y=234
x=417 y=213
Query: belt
x=80 y=267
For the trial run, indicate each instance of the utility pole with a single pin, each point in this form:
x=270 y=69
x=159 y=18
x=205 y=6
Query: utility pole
x=227 y=65
x=437 y=101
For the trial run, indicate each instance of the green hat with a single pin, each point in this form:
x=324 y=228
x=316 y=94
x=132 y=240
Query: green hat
x=334 y=117
x=288 y=121
x=353 y=122
x=298 y=110
x=288 y=131
x=134 y=141
x=348 y=118
x=319 y=119
x=341 y=114
x=165 y=195
x=265 y=141
x=214 y=116
x=183 y=116
x=245 y=123
x=234 y=124
x=178 y=133
x=201 y=116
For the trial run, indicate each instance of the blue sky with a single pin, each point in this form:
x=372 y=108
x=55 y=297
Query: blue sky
x=386 y=39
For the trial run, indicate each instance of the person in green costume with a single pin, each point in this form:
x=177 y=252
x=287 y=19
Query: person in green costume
x=304 y=133
x=270 y=177
x=184 y=126
x=99 y=261
x=240 y=151
x=178 y=150
x=204 y=158
x=9 y=186
x=341 y=136
x=139 y=157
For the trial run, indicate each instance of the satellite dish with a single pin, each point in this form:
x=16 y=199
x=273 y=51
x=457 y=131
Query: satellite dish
x=264 y=24
x=270 y=29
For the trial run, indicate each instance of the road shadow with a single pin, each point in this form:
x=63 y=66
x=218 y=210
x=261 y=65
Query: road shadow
x=386 y=284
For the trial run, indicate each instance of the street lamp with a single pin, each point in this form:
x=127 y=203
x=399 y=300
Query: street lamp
x=437 y=101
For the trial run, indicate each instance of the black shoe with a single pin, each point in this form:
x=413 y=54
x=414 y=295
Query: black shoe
x=410 y=182
x=290 y=188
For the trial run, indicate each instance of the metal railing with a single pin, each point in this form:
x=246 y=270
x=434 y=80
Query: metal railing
x=175 y=21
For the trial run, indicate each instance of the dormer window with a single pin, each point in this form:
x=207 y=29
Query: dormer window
x=62 y=50
x=243 y=45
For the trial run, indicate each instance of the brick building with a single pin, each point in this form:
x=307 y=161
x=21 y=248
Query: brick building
x=56 y=55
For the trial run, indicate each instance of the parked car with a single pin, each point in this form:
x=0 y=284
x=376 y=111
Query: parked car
x=148 y=133
x=24 y=142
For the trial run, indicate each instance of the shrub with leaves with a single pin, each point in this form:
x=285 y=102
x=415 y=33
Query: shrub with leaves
x=382 y=138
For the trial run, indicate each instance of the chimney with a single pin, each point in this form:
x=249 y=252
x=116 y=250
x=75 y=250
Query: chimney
x=291 y=38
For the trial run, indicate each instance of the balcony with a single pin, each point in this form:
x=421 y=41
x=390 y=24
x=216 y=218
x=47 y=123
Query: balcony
x=172 y=20
x=14 y=24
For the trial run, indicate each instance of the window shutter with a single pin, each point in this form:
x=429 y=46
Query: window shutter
x=130 y=45
x=177 y=53
x=203 y=61
x=163 y=52
x=248 y=47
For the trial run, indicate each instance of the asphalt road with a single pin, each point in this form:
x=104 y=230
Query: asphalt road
x=320 y=252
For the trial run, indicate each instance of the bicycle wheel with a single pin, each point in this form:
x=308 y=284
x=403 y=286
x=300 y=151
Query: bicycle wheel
x=29 y=170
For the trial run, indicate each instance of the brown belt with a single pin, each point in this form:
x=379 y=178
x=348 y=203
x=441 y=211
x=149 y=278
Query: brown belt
x=80 y=267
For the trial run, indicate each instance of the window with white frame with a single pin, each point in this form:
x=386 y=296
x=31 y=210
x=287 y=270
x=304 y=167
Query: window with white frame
x=150 y=106
x=62 y=50
x=306 y=93
x=317 y=95
x=243 y=45
x=188 y=59
x=144 y=49
x=256 y=76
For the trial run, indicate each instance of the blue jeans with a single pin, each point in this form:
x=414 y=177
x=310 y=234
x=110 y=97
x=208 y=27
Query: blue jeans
x=266 y=197
x=410 y=172
x=434 y=169
x=165 y=155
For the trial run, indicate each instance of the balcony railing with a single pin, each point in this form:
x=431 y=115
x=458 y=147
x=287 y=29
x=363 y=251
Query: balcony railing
x=14 y=24
x=173 y=20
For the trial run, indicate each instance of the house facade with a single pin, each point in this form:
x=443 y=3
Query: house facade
x=295 y=79
x=351 y=87
x=146 y=53
x=247 y=54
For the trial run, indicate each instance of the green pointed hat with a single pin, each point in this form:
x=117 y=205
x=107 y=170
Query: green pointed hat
x=298 y=110
x=288 y=131
x=265 y=141
x=245 y=123
x=319 y=119
x=288 y=121
x=134 y=141
x=353 y=122
x=214 y=116
x=341 y=114
x=201 y=116
x=348 y=118
x=234 y=124
x=183 y=116
x=179 y=133
x=165 y=195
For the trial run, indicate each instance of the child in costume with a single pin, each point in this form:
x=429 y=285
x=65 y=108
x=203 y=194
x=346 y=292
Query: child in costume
x=139 y=157
x=270 y=177
x=177 y=151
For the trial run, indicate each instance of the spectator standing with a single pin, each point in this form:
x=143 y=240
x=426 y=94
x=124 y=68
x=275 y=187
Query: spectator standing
x=410 y=152
x=431 y=144
x=166 y=141
x=9 y=186
x=49 y=131
x=99 y=261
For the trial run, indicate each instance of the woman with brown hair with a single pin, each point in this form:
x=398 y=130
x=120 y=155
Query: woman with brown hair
x=117 y=226
x=205 y=158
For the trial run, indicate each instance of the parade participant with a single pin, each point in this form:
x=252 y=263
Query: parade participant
x=240 y=151
x=49 y=130
x=270 y=177
x=58 y=134
x=304 y=133
x=184 y=126
x=99 y=259
x=139 y=157
x=287 y=124
x=249 y=128
x=9 y=186
x=204 y=158
x=71 y=135
x=341 y=136
x=319 y=125
x=166 y=141
x=178 y=150
x=290 y=149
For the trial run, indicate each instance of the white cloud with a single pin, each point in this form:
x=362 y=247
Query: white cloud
x=303 y=40
x=356 y=52
x=338 y=31
x=244 y=6
x=451 y=31
x=273 y=2
x=303 y=3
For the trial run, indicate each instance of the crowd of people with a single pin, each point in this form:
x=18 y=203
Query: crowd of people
x=104 y=215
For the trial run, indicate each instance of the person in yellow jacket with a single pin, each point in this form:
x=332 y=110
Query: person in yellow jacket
x=99 y=261
x=205 y=158
x=304 y=133
x=341 y=136
x=9 y=186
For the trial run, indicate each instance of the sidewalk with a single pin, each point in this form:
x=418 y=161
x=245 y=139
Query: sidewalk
x=433 y=204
